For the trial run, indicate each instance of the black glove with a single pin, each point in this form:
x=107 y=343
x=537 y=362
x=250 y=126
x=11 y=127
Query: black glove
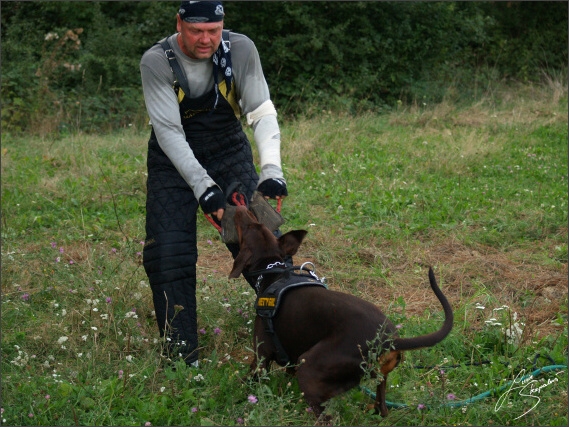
x=273 y=187
x=212 y=200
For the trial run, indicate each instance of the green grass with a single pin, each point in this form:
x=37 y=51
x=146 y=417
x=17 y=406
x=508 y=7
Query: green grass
x=478 y=192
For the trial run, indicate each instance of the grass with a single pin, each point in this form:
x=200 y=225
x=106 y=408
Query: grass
x=479 y=192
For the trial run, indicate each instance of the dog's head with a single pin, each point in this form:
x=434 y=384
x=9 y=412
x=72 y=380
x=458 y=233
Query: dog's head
x=258 y=245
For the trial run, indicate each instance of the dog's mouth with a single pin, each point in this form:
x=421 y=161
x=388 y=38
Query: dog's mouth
x=259 y=211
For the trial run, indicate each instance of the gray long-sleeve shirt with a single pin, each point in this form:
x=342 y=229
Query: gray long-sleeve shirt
x=252 y=93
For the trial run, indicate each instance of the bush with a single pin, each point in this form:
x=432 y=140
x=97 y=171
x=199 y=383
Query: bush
x=70 y=65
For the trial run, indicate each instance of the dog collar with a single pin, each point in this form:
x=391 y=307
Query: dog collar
x=273 y=268
x=268 y=269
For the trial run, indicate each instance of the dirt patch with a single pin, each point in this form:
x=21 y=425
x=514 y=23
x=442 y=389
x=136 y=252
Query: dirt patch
x=537 y=293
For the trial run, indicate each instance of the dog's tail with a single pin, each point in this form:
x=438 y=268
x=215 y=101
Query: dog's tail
x=430 y=339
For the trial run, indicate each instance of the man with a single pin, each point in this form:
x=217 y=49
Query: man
x=196 y=85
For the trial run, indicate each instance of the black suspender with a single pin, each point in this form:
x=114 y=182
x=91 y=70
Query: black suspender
x=179 y=75
x=225 y=35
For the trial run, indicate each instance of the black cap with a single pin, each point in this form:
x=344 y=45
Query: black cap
x=201 y=11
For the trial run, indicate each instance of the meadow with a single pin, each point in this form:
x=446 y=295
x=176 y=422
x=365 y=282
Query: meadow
x=477 y=191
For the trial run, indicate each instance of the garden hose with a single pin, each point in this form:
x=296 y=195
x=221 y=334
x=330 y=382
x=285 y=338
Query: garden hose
x=480 y=396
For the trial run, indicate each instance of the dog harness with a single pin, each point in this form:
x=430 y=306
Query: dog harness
x=268 y=301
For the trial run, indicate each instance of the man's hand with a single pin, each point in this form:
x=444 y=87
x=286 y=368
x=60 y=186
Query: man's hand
x=273 y=188
x=213 y=202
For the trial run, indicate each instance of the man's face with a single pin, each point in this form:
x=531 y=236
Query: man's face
x=199 y=40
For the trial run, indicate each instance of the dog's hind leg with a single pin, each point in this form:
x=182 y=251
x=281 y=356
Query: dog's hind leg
x=388 y=361
x=323 y=374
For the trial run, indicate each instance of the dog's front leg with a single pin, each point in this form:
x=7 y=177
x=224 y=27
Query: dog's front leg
x=258 y=365
x=262 y=358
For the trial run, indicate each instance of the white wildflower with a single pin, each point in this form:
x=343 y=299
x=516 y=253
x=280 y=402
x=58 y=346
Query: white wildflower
x=20 y=360
x=51 y=36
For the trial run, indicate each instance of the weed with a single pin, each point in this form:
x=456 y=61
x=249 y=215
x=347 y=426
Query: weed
x=478 y=192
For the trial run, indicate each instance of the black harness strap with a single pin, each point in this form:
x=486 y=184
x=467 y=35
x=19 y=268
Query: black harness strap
x=268 y=302
x=179 y=75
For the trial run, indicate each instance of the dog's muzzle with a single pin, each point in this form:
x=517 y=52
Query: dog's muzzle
x=260 y=207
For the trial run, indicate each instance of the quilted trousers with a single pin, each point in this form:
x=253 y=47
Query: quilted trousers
x=170 y=253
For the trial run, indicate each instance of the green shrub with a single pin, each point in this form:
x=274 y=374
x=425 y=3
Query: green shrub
x=348 y=57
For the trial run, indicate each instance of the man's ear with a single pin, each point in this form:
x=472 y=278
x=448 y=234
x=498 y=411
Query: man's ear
x=240 y=262
x=290 y=242
x=178 y=23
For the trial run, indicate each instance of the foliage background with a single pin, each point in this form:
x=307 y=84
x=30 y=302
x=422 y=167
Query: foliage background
x=333 y=56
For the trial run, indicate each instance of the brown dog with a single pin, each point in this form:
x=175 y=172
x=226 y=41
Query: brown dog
x=325 y=333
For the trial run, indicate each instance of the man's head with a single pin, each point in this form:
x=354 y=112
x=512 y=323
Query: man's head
x=200 y=24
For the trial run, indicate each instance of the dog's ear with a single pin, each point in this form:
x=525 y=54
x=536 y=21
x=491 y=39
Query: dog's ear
x=290 y=242
x=240 y=262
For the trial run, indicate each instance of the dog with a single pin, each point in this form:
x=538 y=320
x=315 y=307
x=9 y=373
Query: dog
x=327 y=335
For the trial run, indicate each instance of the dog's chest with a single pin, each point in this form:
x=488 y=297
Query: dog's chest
x=269 y=301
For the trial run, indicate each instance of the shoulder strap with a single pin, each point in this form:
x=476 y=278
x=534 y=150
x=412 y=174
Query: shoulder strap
x=179 y=75
x=225 y=35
